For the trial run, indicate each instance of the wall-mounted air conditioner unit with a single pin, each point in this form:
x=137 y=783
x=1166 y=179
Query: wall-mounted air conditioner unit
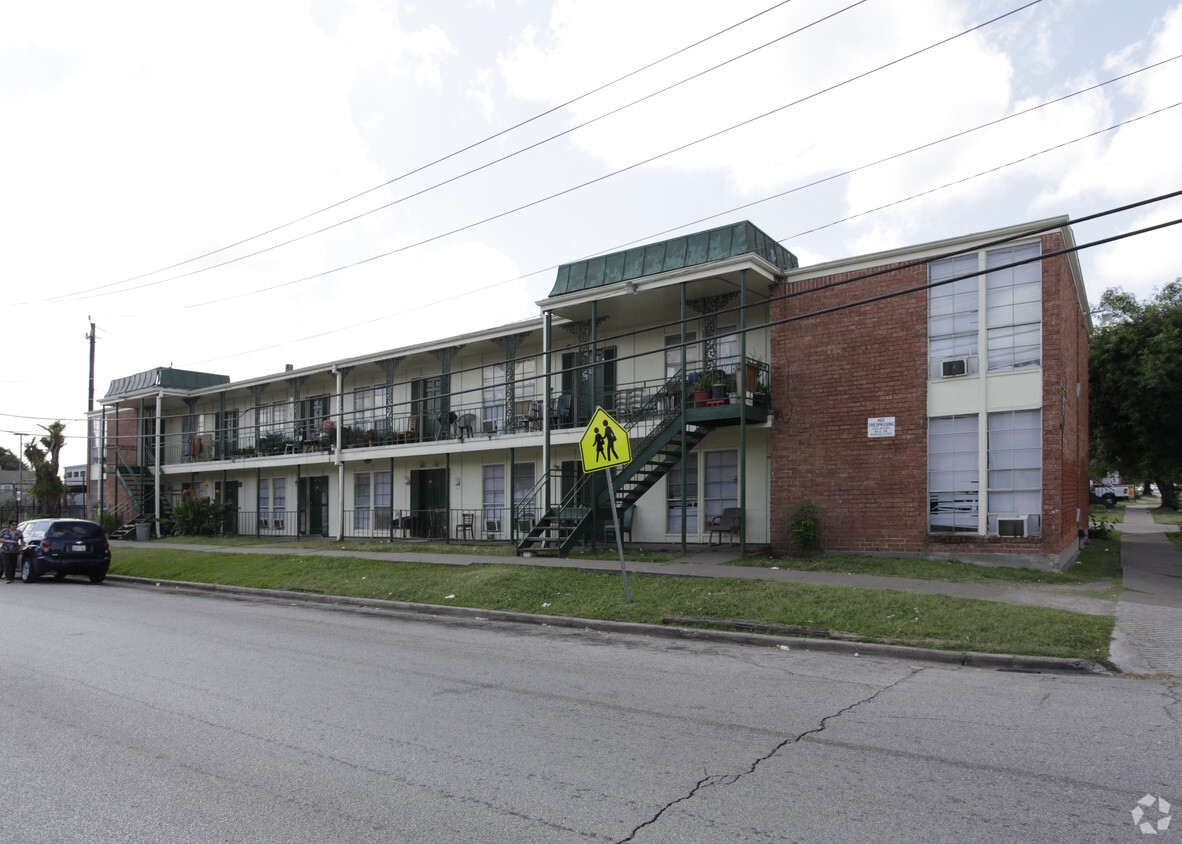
x=1011 y=525
x=952 y=368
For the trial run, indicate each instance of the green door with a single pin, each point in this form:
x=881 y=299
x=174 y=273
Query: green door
x=318 y=506
x=428 y=502
x=227 y=493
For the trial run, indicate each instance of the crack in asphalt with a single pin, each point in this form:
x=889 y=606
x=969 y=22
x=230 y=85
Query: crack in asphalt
x=711 y=780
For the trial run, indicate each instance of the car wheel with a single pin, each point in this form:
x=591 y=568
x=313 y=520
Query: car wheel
x=28 y=570
x=98 y=577
x=1110 y=499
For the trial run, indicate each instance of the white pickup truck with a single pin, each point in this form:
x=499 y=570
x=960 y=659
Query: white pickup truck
x=1110 y=492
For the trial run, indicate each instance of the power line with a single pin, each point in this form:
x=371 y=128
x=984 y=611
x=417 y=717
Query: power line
x=781 y=240
x=606 y=176
x=866 y=275
x=444 y=158
x=459 y=176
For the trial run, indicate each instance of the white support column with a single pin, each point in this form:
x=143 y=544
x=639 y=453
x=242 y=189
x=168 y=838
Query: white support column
x=156 y=468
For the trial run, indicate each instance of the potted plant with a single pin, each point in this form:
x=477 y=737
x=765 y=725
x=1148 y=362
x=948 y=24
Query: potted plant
x=703 y=388
x=328 y=435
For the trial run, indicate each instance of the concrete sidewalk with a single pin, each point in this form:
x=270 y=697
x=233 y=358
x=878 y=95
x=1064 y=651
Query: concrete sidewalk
x=1148 y=634
x=1147 y=638
x=712 y=563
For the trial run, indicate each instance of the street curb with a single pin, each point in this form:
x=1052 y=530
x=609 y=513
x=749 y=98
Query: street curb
x=968 y=659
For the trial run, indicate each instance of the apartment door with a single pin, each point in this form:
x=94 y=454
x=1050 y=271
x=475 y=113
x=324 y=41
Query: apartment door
x=227 y=493
x=317 y=503
x=428 y=502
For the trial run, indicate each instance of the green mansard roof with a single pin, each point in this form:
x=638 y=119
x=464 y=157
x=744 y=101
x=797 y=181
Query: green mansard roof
x=165 y=378
x=675 y=254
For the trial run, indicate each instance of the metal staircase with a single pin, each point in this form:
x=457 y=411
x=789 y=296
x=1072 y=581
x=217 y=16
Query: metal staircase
x=659 y=420
x=138 y=504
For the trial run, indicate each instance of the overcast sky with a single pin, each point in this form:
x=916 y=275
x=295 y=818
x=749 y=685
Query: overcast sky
x=143 y=143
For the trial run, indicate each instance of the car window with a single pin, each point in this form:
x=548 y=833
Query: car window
x=35 y=531
x=74 y=530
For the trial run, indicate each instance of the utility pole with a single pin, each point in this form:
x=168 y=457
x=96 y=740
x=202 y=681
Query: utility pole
x=90 y=422
x=90 y=396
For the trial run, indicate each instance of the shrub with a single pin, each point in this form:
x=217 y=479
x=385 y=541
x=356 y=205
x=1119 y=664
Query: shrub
x=805 y=527
x=195 y=516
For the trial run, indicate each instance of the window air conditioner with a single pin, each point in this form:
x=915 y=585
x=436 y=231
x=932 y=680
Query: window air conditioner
x=952 y=368
x=1011 y=525
x=492 y=525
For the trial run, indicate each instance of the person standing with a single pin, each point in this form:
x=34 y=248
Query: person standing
x=10 y=546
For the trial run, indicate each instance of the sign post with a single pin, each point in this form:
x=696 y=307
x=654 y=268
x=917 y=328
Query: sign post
x=605 y=444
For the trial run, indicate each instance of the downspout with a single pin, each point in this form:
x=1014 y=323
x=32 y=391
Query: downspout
x=102 y=463
x=743 y=413
x=547 y=339
x=336 y=455
x=684 y=434
x=156 y=451
x=595 y=398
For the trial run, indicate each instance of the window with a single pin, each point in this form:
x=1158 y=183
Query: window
x=278 y=503
x=493 y=497
x=952 y=311
x=361 y=502
x=1015 y=468
x=953 y=474
x=382 y=499
x=722 y=482
x=1012 y=302
x=369 y=408
x=726 y=349
x=525 y=385
x=272 y=503
x=272 y=418
x=673 y=355
x=493 y=397
x=523 y=485
x=674 y=517
x=229 y=429
x=1014 y=308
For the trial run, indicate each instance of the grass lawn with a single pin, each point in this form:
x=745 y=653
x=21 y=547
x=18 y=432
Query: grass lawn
x=1098 y=562
x=876 y=615
x=498 y=549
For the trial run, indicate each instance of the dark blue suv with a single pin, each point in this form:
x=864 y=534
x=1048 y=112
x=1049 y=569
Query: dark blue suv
x=64 y=546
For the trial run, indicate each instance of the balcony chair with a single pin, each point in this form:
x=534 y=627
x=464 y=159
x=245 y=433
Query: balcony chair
x=729 y=523
x=466 y=529
x=609 y=529
x=464 y=425
x=561 y=417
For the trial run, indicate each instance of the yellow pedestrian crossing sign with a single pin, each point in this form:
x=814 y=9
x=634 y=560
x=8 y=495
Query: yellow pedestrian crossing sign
x=604 y=443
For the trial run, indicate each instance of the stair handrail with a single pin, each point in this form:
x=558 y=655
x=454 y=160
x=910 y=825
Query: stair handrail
x=658 y=409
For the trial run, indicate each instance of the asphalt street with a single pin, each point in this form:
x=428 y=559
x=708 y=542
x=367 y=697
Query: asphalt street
x=134 y=713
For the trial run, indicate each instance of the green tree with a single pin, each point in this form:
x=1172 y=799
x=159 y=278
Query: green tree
x=48 y=488
x=1135 y=399
x=8 y=460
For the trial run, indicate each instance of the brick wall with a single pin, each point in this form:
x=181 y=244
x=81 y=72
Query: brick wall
x=832 y=372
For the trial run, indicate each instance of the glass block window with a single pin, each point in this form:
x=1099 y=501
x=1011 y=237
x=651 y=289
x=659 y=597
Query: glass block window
x=953 y=474
x=1014 y=308
x=952 y=310
x=1015 y=468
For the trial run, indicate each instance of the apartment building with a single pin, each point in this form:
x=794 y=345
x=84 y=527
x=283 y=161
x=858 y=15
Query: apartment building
x=744 y=383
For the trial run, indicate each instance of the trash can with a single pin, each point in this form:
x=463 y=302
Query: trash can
x=143 y=531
